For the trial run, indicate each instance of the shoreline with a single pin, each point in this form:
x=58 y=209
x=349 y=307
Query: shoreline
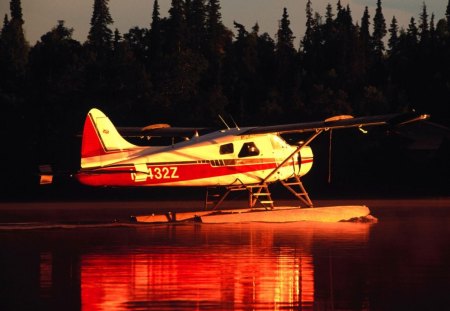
x=113 y=210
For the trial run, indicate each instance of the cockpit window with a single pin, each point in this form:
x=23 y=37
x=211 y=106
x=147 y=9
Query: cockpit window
x=226 y=149
x=248 y=150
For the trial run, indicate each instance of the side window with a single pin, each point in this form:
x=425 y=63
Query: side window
x=226 y=149
x=248 y=150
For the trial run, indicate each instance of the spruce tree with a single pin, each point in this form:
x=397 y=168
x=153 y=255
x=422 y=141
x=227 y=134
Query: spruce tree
x=423 y=25
x=329 y=15
x=218 y=41
x=13 y=48
x=196 y=25
x=365 y=41
x=285 y=64
x=5 y=25
x=364 y=29
x=16 y=11
x=54 y=64
x=379 y=30
x=412 y=32
x=285 y=37
x=136 y=38
x=307 y=41
x=218 y=36
x=432 y=27
x=393 y=31
x=339 y=6
x=176 y=31
x=155 y=39
x=156 y=20
x=100 y=36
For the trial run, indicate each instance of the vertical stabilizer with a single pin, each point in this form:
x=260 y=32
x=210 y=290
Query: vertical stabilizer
x=101 y=143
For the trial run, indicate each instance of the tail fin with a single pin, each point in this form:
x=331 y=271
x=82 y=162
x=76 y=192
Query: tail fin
x=101 y=143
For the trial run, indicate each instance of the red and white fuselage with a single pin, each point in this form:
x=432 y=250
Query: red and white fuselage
x=221 y=158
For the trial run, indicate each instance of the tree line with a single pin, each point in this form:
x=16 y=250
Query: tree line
x=188 y=67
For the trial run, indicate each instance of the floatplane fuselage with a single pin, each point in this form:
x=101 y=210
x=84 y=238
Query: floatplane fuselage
x=220 y=158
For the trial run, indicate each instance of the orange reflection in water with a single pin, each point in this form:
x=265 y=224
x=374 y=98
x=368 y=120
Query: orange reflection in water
x=239 y=278
x=268 y=267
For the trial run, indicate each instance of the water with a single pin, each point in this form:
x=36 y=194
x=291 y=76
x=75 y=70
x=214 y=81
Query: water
x=400 y=263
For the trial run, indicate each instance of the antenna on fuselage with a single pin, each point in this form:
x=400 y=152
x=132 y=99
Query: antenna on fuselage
x=224 y=121
x=235 y=124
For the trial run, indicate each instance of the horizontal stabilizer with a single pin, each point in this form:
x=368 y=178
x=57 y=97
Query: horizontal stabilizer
x=46 y=174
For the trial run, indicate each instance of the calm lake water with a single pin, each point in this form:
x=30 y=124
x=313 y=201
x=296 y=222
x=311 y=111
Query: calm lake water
x=400 y=263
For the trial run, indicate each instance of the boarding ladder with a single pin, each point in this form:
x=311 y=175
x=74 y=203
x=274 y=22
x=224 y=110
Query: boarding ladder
x=257 y=193
x=214 y=197
x=295 y=186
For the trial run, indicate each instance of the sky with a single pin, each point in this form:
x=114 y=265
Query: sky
x=42 y=15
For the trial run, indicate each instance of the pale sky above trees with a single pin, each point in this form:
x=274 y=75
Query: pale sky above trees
x=41 y=16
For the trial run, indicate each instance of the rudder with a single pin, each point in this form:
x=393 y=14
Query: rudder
x=100 y=140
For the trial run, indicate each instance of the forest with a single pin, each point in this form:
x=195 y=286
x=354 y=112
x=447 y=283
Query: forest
x=187 y=68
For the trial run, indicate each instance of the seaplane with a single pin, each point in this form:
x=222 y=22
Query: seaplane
x=232 y=159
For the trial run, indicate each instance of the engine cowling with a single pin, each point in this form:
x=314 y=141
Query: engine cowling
x=305 y=160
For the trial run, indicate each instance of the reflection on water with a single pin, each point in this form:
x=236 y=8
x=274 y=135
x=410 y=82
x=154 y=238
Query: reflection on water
x=185 y=267
x=228 y=268
x=202 y=279
x=400 y=263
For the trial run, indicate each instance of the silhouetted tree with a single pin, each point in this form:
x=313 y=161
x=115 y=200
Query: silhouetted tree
x=412 y=32
x=379 y=30
x=218 y=42
x=137 y=40
x=13 y=50
x=364 y=29
x=393 y=38
x=339 y=6
x=155 y=37
x=196 y=25
x=307 y=41
x=365 y=40
x=432 y=27
x=287 y=72
x=55 y=65
x=218 y=36
x=175 y=28
x=424 y=31
x=329 y=14
x=285 y=37
x=100 y=36
x=55 y=59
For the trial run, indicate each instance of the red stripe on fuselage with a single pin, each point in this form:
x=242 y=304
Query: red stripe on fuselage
x=158 y=175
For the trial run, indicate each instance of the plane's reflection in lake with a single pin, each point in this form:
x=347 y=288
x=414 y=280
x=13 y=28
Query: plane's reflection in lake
x=397 y=263
x=251 y=266
x=194 y=266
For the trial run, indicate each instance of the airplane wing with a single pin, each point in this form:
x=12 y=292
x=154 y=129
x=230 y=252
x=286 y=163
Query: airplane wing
x=339 y=122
